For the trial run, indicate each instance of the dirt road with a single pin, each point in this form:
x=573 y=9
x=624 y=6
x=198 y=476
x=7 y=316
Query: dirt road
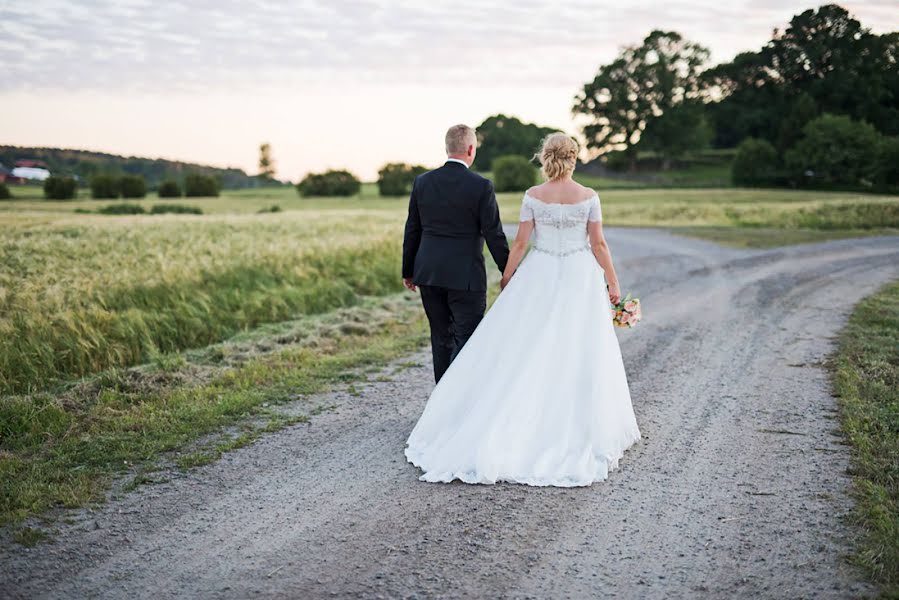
x=738 y=489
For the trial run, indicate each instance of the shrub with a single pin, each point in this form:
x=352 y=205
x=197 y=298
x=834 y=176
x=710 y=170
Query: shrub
x=271 y=209
x=124 y=208
x=105 y=186
x=395 y=179
x=755 y=163
x=197 y=185
x=169 y=189
x=133 y=186
x=60 y=188
x=834 y=150
x=513 y=174
x=179 y=209
x=4 y=191
x=886 y=166
x=329 y=183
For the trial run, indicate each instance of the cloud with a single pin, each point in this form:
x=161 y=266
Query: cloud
x=140 y=44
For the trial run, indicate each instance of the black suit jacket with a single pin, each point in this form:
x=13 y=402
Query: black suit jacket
x=452 y=211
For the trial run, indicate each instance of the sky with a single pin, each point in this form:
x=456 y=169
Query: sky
x=330 y=83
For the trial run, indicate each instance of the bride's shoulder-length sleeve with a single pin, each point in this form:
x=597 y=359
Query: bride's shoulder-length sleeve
x=527 y=211
x=595 y=209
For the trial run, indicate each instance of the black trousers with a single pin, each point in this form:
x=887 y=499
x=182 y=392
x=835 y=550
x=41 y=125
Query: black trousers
x=453 y=316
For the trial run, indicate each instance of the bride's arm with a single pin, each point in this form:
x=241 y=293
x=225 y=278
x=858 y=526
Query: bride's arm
x=516 y=253
x=604 y=257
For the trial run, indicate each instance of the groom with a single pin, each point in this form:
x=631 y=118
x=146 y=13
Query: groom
x=451 y=212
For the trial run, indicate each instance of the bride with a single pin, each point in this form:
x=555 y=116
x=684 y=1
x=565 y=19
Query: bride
x=538 y=394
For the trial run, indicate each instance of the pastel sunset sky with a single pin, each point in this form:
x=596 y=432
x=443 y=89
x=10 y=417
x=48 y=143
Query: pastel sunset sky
x=339 y=83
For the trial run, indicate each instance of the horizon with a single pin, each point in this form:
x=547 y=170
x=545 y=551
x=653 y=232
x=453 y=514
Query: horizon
x=354 y=89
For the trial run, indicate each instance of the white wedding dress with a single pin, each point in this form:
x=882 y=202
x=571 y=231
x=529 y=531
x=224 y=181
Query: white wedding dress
x=538 y=395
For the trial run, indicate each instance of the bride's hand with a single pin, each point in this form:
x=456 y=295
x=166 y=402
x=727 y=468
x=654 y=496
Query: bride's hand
x=504 y=282
x=614 y=292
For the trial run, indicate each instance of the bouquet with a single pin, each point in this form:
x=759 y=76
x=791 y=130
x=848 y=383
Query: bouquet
x=627 y=312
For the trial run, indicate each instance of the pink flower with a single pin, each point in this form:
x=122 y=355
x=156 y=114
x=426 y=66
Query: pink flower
x=630 y=306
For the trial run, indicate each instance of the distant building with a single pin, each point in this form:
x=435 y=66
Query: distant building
x=30 y=174
x=25 y=171
x=31 y=163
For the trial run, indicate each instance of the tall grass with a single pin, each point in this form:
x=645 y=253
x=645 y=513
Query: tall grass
x=83 y=294
x=63 y=450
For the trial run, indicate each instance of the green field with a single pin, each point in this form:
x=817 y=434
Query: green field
x=80 y=293
x=124 y=337
x=679 y=207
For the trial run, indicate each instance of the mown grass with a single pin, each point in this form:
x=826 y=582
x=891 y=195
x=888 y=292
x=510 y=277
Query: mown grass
x=64 y=449
x=866 y=379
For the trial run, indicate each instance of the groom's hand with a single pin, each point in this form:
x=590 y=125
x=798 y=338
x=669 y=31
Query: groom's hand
x=407 y=281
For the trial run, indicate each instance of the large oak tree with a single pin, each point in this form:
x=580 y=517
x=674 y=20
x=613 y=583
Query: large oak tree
x=639 y=85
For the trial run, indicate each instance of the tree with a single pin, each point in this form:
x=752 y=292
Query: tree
x=743 y=99
x=513 y=174
x=803 y=110
x=834 y=150
x=105 y=186
x=133 y=186
x=329 y=183
x=60 y=188
x=500 y=135
x=169 y=189
x=755 y=163
x=640 y=84
x=198 y=185
x=266 y=162
x=886 y=167
x=825 y=58
x=680 y=129
x=395 y=179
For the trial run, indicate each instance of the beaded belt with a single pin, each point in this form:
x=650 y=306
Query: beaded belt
x=561 y=252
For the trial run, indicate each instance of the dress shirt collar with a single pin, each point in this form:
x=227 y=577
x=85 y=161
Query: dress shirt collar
x=461 y=162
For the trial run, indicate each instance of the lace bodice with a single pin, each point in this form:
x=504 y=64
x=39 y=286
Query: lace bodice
x=560 y=229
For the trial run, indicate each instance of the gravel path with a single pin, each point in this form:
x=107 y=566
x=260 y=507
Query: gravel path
x=738 y=489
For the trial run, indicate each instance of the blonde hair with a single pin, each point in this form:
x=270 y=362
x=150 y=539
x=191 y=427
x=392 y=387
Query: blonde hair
x=459 y=138
x=558 y=156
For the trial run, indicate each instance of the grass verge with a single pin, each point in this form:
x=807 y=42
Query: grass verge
x=66 y=449
x=767 y=237
x=866 y=379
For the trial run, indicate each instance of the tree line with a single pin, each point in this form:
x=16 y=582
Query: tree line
x=84 y=164
x=825 y=82
x=816 y=106
x=108 y=187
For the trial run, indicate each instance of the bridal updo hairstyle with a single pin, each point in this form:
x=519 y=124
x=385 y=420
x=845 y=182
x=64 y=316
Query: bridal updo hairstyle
x=558 y=156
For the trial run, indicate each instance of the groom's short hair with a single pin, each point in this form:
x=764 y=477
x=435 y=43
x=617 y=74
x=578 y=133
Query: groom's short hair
x=459 y=138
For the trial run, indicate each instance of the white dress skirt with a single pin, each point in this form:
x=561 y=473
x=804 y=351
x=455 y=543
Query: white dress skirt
x=538 y=395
